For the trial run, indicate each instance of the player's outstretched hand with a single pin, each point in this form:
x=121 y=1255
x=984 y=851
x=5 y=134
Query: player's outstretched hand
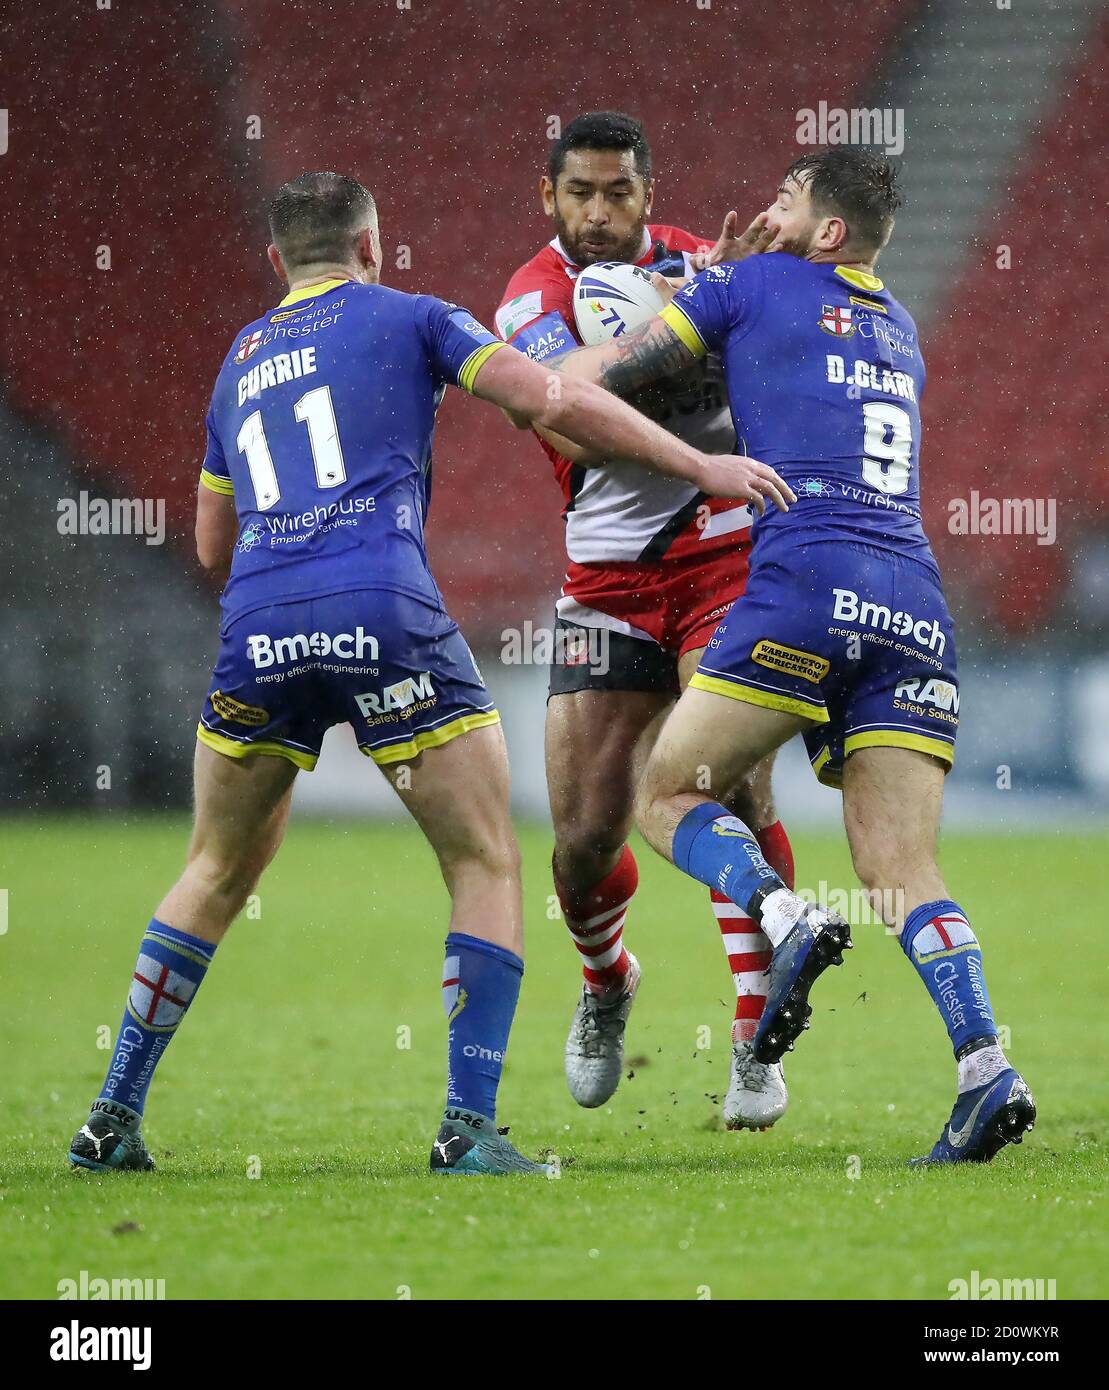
x=757 y=483
x=758 y=237
x=668 y=285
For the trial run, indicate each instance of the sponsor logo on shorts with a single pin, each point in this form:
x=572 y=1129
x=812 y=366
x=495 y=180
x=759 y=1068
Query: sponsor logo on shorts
x=914 y=695
x=791 y=662
x=408 y=695
x=227 y=707
x=850 y=608
x=264 y=650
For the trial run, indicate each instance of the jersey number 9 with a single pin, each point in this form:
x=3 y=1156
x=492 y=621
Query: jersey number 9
x=887 y=446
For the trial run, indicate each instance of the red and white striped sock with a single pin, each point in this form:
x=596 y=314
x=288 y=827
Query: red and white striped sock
x=595 y=919
x=748 y=948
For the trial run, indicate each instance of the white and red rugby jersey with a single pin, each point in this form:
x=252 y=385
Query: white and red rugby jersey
x=621 y=511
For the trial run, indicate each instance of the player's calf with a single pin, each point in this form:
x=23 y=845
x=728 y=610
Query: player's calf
x=892 y=800
x=717 y=849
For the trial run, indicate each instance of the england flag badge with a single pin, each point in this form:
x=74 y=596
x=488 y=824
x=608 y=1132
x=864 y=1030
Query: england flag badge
x=836 y=320
x=249 y=346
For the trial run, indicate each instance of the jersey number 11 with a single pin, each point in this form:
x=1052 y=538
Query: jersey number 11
x=315 y=410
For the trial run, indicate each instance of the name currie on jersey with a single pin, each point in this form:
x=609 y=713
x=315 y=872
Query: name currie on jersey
x=274 y=371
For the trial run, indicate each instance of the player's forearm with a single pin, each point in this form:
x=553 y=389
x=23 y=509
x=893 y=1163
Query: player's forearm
x=630 y=362
x=597 y=420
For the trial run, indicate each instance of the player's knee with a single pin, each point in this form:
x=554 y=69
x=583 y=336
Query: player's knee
x=874 y=861
x=583 y=850
x=229 y=875
x=884 y=864
x=751 y=798
x=493 y=854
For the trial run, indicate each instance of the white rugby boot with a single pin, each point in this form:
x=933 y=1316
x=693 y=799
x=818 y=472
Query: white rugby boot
x=757 y=1095
x=595 y=1045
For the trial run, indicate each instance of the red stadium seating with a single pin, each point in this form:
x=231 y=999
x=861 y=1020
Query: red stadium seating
x=1017 y=363
x=443 y=111
x=132 y=134
x=119 y=136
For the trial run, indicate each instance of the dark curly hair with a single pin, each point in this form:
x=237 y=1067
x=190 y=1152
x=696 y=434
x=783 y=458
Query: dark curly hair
x=856 y=185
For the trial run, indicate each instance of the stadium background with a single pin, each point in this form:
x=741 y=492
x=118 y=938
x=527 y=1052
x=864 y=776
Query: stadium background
x=157 y=132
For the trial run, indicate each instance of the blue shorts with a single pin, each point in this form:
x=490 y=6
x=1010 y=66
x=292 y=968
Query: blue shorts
x=855 y=638
x=395 y=667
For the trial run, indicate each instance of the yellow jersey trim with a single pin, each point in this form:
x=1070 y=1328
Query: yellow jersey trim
x=893 y=738
x=861 y=279
x=677 y=319
x=231 y=749
x=214 y=483
x=736 y=690
x=432 y=738
x=310 y=291
x=474 y=363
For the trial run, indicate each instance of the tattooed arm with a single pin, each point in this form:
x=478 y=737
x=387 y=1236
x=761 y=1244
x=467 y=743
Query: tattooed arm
x=630 y=362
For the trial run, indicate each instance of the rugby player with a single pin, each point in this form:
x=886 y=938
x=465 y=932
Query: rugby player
x=843 y=634
x=313 y=493
x=653 y=565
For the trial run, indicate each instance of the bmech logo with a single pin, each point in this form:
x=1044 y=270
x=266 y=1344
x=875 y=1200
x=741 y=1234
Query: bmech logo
x=850 y=608
x=264 y=650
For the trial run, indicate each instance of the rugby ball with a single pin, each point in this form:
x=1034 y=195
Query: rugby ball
x=612 y=298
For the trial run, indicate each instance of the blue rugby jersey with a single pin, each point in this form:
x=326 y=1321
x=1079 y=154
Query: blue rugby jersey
x=824 y=378
x=320 y=427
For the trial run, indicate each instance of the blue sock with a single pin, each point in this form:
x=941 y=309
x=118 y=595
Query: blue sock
x=940 y=942
x=481 y=984
x=168 y=972
x=717 y=849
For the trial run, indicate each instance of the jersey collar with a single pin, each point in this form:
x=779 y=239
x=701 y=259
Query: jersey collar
x=556 y=244
x=861 y=279
x=310 y=291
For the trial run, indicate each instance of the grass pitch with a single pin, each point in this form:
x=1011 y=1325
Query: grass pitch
x=292 y=1065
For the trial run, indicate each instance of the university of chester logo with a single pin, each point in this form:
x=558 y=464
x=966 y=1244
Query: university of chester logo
x=251 y=537
x=836 y=320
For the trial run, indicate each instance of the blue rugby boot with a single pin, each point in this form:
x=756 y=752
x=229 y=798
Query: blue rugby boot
x=818 y=939
x=469 y=1144
x=110 y=1139
x=987 y=1116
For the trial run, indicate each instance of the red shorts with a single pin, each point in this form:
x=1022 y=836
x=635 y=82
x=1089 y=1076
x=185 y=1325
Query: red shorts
x=641 y=619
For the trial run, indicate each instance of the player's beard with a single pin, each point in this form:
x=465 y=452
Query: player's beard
x=800 y=245
x=629 y=249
